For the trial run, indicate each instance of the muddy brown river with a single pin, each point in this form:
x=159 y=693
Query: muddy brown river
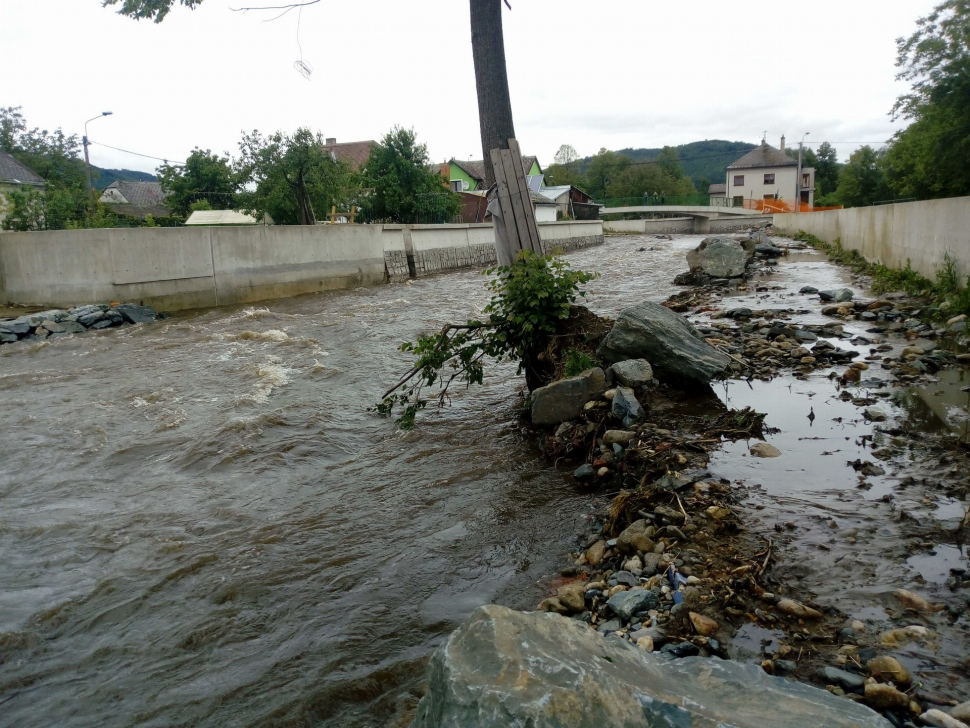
x=202 y=525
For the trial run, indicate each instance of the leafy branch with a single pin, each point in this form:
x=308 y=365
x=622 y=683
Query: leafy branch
x=531 y=297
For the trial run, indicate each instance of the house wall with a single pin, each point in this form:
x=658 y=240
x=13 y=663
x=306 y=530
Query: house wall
x=546 y=213
x=918 y=232
x=458 y=173
x=754 y=187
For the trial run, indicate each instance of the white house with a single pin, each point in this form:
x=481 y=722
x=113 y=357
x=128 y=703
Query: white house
x=766 y=173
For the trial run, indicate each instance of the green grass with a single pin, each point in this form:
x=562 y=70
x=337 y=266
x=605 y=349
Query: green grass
x=946 y=296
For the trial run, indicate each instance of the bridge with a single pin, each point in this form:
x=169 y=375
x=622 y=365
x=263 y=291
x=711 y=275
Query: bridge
x=698 y=207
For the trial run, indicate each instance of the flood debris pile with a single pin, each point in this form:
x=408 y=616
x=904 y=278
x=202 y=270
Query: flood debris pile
x=57 y=322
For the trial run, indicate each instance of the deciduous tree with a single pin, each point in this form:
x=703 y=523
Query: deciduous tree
x=204 y=176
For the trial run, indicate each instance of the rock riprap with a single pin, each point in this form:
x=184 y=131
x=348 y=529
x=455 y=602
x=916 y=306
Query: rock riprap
x=563 y=400
x=718 y=257
x=58 y=322
x=667 y=340
x=505 y=668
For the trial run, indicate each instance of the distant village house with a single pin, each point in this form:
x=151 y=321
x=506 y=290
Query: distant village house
x=766 y=173
x=354 y=154
x=15 y=176
x=136 y=199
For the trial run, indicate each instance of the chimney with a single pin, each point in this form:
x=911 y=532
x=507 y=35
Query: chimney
x=782 y=147
x=333 y=140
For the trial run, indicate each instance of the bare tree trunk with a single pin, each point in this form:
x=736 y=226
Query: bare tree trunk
x=304 y=209
x=491 y=80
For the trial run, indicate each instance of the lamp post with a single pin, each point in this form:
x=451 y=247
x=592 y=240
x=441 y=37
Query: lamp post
x=798 y=178
x=87 y=160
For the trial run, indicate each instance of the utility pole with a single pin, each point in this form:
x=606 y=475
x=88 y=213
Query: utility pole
x=87 y=159
x=798 y=177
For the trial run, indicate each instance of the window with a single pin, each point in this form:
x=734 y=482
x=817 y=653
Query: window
x=805 y=180
x=459 y=185
x=738 y=201
x=739 y=180
x=769 y=179
x=769 y=197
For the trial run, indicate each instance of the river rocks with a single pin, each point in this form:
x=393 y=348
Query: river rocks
x=584 y=472
x=839 y=294
x=655 y=333
x=595 y=553
x=563 y=400
x=875 y=414
x=625 y=407
x=808 y=290
x=505 y=668
x=645 y=643
x=887 y=669
x=618 y=437
x=573 y=596
x=914 y=601
x=626 y=605
x=718 y=257
x=58 y=322
x=895 y=638
x=768 y=250
x=962 y=712
x=941 y=720
x=764 y=450
x=846 y=680
x=636 y=537
x=633 y=373
x=704 y=625
x=885 y=697
x=797 y=609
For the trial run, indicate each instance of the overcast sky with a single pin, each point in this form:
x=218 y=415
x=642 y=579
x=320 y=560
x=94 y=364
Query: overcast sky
x=591 y=73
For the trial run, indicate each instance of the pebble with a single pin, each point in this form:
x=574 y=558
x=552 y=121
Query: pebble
x=573 y=596
x=940 y=719
x=847 y=680
x=703 y=624
x=764 y=450
x=596 y=553
x=875 y=414
x=962 y=712
x=885 y=697
x=797 y=609
x=645 y=644
x=887 y=669
x=915 y=601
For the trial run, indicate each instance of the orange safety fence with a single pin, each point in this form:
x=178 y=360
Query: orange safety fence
x=778 y=206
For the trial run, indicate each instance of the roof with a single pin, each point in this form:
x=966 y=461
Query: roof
x=763 y=156
x=717 y=189
x=353 y=153
x=476 y=168
x=14 y=172
x=556 y=191
x=220 y=217
x=539 y=199
x=139 y=193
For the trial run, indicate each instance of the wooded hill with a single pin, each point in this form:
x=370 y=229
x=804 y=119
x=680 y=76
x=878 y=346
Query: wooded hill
x=699 y=160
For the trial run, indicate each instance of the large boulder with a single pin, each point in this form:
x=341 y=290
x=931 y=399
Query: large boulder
x=676 y=350
x=503 y=668
x=718 y=257
x=564 y=400
x=134 y=314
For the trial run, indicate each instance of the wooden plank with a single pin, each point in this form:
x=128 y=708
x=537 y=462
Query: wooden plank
x=505 y=202
x=520 y=223
x=523 y=185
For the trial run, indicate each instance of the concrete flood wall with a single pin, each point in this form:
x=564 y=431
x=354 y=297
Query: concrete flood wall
x=918 y=232
x=435 y=248
x=684 y=225
x=179 y=268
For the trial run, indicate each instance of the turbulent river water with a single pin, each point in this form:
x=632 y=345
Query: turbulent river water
x=201 y=523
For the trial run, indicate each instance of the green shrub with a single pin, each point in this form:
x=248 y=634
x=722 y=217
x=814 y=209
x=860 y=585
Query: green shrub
x=577 y=362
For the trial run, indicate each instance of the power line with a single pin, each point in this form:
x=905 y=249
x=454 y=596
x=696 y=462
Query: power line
x=138 y=154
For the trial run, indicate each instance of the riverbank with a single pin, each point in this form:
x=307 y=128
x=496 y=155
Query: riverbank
x=818 y=576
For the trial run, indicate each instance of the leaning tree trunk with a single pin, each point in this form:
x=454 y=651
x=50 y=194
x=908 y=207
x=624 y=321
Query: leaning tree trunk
x=491 y=80
x=304 y=209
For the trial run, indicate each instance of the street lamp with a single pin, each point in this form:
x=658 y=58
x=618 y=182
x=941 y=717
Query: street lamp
x=87 y=160
x=798 y=178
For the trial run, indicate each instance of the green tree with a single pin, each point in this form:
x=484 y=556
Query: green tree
x=292 y=175
x=862 y=181
x=603 y=170
x=928 y=158
x=567 y=154
x=55 y=157
x=827 y=169
x=204 y=176
x=155 y=10
x=402 y=185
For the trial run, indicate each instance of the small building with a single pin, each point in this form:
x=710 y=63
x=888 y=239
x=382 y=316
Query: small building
x=225 y=217
x=354 y=154
x=572 y=202
x=15 y=176
x=470 y=176
x=136 y=199
x=718 y=195
x=546 y=209
x=766 y=173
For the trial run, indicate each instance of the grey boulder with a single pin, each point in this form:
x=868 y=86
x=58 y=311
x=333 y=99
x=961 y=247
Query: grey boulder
x=633 y=372
x=626 y=408
x=564 y=400
x=674 y=347
x=718 y=257
x=840 y=294
x=504 y=668
x=627 y=604
x=135 y=314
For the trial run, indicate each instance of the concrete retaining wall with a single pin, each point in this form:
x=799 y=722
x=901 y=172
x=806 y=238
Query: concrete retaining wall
x=735 y=224
x=658 y=226
x=918 y=232
x=178 y=268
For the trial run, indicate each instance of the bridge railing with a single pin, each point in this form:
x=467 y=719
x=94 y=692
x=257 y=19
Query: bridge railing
x=651 y=200
x=777 y=206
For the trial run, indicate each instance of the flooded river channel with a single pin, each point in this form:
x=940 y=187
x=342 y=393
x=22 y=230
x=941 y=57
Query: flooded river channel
x=202 y=525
